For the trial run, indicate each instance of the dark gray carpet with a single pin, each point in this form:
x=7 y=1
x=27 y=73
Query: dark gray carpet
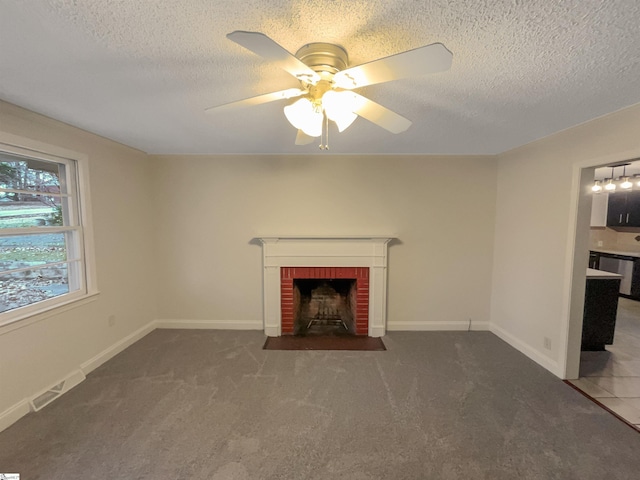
x=324 y=342
x=213 y=405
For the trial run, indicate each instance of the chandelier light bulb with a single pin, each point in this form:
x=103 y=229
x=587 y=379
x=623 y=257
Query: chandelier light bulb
x=597 y=188
x=610 y=186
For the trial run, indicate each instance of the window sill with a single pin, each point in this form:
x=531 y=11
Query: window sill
x=39 y=315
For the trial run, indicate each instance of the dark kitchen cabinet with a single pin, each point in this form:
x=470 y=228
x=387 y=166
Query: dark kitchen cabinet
x=624 y=209
x=600 y=309
x=635 y=280
x=633 y=209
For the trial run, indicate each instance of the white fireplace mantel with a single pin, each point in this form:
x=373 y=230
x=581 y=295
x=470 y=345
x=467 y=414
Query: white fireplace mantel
x=325 y=251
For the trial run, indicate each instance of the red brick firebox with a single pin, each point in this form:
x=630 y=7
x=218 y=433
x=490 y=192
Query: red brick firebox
x=359 y=274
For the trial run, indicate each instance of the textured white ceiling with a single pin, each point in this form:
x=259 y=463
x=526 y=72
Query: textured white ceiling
x=142 y=72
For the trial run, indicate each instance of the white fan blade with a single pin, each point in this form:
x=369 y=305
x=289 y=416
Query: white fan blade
x=257 y=100
x=265 y=47
x=303 y=139
x=420 y=61
x=381 y=116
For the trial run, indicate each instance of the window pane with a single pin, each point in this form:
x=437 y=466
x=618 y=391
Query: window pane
x=21 y=173
x=38 y=196
x=37 y=211
x=24 y=288
x=22 y=251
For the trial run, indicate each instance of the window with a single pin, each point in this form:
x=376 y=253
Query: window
x=42 y=248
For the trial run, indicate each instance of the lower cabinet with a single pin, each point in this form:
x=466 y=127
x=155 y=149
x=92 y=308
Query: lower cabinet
x=600 y=308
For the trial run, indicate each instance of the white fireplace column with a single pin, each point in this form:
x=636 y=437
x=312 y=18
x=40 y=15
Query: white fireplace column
x=325 y=251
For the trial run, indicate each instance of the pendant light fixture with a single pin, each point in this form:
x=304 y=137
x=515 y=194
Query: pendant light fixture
x=610 y=186
x=626 y=183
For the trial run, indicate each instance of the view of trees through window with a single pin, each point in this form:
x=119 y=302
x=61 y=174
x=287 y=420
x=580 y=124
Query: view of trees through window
x=39 y=249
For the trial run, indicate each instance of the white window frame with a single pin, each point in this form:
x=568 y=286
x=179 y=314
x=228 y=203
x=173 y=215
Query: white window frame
x=86 y=271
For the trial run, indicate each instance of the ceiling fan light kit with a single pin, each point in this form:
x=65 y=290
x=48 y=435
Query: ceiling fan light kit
x=327 y=81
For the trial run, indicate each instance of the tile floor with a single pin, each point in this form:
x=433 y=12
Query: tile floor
x=612 y=377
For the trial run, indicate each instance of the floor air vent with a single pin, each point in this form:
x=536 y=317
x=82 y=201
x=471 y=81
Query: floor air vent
x=45 y=398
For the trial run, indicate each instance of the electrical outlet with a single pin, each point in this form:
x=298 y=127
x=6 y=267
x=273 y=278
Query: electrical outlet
x=547 y=343
x=599 y=243
x=111 y=320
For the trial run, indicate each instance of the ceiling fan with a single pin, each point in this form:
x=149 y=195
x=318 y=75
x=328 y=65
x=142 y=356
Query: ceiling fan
x=327 y=83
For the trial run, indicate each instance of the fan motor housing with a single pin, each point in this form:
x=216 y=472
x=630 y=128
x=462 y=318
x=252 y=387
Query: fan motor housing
x=326 y=59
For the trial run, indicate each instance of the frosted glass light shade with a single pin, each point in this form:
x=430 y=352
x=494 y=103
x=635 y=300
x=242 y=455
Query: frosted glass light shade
x=345 y=121
x=304 y=116
x=626 y=184
x=339 y=107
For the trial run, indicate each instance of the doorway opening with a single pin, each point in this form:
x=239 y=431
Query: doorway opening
x=604 y=352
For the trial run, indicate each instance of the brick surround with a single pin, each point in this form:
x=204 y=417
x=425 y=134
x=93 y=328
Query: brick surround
x=359 y=274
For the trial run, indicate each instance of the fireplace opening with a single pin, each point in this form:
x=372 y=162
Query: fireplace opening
x=324 y=306
x=324 y=300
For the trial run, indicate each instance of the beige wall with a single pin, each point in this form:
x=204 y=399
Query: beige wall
x=539 y=190
x=208 y=208
x=35 y=356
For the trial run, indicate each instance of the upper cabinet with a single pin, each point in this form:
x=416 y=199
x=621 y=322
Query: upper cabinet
x=599 y=210
x=623 y=209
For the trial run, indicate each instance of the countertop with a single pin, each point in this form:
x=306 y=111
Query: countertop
x=616 y=252
x=601 y=275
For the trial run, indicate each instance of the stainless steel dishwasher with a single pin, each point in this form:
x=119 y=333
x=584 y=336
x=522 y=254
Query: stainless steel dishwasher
x=619 y=264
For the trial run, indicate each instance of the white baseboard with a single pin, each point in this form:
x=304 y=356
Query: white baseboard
x=117 y=347
x=436 y=326
x=529 y=351
x=211 y=324
x=14 y=413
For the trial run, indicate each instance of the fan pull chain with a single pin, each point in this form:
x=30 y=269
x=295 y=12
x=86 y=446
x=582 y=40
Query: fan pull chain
x=326 y=135
x=326 y=126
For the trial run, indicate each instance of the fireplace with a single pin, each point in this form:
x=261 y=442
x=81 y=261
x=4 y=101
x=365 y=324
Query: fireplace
x=324 y=300
x=331 y=280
